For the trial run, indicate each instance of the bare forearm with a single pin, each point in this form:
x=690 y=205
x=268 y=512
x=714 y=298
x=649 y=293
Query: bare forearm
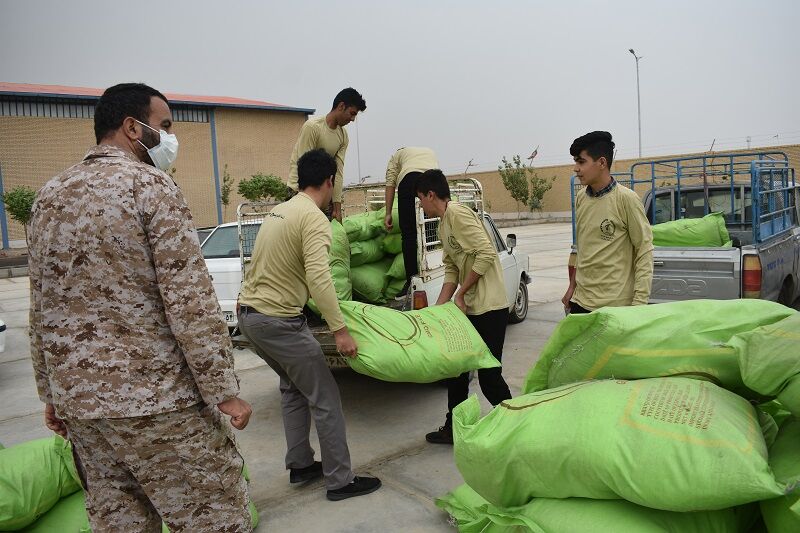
x=447 y=292
x=389 y=197
x=472 y=279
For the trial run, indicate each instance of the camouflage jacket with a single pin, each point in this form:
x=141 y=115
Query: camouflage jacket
x=123 y=320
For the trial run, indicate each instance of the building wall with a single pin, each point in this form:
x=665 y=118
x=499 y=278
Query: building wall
x=34 y=149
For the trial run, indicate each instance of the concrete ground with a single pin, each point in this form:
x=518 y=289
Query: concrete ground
x=386 y=422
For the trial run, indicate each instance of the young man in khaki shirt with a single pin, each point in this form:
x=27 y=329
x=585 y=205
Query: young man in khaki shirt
x=614 y=239
x=289 y=264
x=329 y=134
x=404 y=169
x=472 y=266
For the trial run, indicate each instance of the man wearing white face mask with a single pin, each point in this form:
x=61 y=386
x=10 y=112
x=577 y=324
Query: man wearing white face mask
x=131 y=355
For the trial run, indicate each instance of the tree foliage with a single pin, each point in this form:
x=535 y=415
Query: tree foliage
x=19 y=203
x=523 y=183
x=262 y=187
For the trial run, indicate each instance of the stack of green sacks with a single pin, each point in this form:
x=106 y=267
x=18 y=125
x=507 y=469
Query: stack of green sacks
x=666 y=437
x=376 y=259
x=339 y=260
x=40 y=491
x=709 y=231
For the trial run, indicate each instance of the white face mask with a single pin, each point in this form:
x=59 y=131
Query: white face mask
x=165 y=152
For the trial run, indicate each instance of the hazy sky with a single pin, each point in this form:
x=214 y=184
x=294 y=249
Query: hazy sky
x=472 y=80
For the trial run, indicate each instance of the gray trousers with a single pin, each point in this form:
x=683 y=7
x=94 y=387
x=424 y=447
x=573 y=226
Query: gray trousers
x=307 y=389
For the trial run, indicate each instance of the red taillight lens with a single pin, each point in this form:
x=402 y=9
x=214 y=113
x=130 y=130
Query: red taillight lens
x=751 y=277
x=420 y=299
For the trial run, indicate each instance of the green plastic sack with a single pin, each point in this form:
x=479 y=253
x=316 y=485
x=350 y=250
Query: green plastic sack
x=393 y=288
x=393 y=244
x=339 y=260
x=398 y=268
x=364 y=252
x=380 y=215
x=415 y=346
x=709 y=231
x=690 y=338
x=33 y=476
x=782 y=515
x=473 y=514
x=360 y=227
x=68 y=515
x=369 y=281
x=674 y=444
x=769 y=357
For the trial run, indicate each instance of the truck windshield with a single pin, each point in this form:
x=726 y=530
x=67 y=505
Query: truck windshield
x=224 y=241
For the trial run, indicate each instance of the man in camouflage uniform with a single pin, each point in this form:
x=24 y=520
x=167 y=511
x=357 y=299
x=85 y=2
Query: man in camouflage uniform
x=131 y=355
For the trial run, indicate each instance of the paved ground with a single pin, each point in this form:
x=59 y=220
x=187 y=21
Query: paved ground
x=386 y=422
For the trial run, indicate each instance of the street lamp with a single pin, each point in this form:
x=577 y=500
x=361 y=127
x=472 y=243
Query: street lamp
x=638 y=99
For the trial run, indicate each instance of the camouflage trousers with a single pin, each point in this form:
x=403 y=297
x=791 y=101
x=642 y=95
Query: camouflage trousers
x=182 y=467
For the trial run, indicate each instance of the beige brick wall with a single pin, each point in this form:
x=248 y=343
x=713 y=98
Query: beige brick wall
x=34 y=149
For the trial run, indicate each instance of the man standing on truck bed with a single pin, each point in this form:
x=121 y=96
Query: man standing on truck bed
x=289 y=262
x=614 y=241
x=472 y=266
x=404 y=168
x=329 y=134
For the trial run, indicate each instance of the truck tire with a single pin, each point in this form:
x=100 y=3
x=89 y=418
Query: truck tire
x=785 y=296
x=519 y=308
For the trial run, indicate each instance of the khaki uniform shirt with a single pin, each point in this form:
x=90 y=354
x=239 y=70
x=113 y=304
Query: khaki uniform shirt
x=290 y=262
x=467 y=247
x=314 y=134
x=123 y=321
x=409 y=159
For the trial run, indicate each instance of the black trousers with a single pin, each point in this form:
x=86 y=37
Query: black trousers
x=406 y=196
x=575 y=308
x=492 y=328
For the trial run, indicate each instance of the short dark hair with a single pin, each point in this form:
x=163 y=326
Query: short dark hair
x=433 y=180
x=122 y=101
x=314 y=167
x=597 y=144
x=350 y=97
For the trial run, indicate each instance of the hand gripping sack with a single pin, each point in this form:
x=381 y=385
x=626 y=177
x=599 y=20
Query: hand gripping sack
x=415 y=346
x=689 y=338
x=473 y=514
x=674 y=444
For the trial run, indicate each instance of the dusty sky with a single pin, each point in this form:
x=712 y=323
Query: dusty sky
x=472 y=80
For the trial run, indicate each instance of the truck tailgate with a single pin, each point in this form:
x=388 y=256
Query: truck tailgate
x=692 y=273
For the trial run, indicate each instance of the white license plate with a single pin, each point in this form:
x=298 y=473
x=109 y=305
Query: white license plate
x=228 y=316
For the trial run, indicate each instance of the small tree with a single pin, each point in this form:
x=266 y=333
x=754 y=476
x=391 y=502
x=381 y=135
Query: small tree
x=225 y=190
x=515 y=180
x=539 y=186
x=262 y=187
x=19 y=204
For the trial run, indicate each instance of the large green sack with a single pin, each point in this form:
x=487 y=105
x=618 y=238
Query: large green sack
x=360 y=227
x=339 y=260
x=398 y=268
x=474 y=514
x=33 y=476
x=415 y=346
x=370 y=280
x=393 y=288
x=674 y=444
x=782 y=515
x=393 y=244
x=769 y=357
x=709 y=231
x=364 y=252
x=68 y=515
x=689 y=338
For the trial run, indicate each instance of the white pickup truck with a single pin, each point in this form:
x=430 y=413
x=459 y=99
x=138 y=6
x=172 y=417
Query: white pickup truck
x=227 y=253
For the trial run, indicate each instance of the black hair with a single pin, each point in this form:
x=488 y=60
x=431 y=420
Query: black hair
x=350 y=97
x=314 y=167
x=122 y=101
x=433 y=180
x=597 y=144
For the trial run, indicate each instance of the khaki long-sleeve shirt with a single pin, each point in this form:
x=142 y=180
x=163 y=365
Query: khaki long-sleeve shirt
x=314 y=134
x=290 y=263
x=123 y=321
x=409 y=159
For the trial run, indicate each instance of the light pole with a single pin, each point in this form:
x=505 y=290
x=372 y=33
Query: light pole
x=638 y=99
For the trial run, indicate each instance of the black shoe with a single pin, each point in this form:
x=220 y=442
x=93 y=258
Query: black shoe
x=404 y=291
x=443 y=436
x=358 y=487
x=301 y=475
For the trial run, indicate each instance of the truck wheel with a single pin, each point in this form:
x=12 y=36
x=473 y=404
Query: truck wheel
x=785 y=296
x=520 y=308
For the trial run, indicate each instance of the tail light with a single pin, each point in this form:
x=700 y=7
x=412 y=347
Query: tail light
x=751 y=277
x=420 y=299
x=573 y=258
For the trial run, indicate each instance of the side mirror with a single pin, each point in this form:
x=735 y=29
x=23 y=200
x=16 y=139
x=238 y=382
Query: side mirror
x=511 y=242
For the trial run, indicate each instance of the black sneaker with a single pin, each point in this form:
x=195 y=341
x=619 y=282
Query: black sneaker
x=404 y=291
x=358 y=487
x=443 y=436
x=301 y=475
